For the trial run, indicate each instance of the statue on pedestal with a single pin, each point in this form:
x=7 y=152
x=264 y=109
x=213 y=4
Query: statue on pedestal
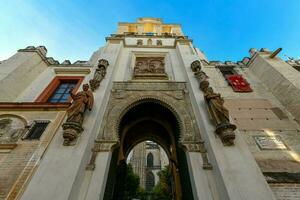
x=215 y=104
x=99 y=74
x=73 y=126
x=220 y=116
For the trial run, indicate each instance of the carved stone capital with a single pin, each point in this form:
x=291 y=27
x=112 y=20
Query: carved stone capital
x=199 y=147
x=103 y=145
x=99 y=146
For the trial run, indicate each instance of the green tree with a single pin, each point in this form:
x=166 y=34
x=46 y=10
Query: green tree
x=132 y=182
x=163 y=191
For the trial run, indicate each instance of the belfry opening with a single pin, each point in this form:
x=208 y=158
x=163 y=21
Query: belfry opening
x=149 y=120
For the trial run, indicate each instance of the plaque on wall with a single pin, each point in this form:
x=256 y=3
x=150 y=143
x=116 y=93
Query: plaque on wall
x=149 y=68
x=270 y=143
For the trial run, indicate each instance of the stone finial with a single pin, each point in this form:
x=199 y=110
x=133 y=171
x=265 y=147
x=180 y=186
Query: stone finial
x=264 y=50
x=30 y=48
x=42 y=49
x=246 y=60
x=196 y=66
x=252 y=51
x=52 y=61
x=66 y=62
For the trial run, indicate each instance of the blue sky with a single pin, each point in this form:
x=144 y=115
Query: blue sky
x=224 y=30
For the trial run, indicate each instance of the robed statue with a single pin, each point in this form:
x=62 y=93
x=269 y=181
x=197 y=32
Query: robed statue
x=216 y=108
x=220 y=116
x=215 y=104
x=82 y=101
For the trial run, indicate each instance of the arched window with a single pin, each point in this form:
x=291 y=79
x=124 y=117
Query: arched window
x=150 y=181
x=150 y=160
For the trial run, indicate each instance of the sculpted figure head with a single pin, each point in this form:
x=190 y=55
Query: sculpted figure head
x=196 y=66
x=85 y=87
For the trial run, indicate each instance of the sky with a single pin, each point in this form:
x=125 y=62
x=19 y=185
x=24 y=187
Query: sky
x=223 y=29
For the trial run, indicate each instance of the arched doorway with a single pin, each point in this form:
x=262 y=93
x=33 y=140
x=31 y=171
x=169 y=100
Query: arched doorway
x=150 y=181
x=149 y=119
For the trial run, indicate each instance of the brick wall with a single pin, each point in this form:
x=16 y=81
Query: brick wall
x=13 y=164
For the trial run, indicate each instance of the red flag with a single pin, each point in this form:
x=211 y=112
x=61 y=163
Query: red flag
x=238 y=83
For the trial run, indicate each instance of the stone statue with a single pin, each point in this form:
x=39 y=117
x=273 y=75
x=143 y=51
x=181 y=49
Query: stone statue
x=220 y=116
x=81 y=102
x=216 y=108
x=99 y=74
x=215 y=103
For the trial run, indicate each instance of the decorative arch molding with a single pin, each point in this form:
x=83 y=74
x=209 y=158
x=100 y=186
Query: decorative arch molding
x=118 y=107
x=25 y=122
x=12 y=127
x=151 y=99
x=170 y=95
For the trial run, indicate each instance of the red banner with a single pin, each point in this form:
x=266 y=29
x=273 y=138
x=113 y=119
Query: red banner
x=238 y=83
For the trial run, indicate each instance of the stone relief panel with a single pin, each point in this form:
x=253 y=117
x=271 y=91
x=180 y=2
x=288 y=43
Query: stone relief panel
x=11 y=129
x=149 y=68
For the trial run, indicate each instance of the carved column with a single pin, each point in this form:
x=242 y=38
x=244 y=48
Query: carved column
x=215 y=104
x=99 y=74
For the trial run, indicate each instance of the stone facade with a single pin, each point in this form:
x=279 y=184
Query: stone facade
x=140 y=157
x=266 y=143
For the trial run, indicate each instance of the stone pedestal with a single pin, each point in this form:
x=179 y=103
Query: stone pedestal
x=72 y=131
x=225 y=132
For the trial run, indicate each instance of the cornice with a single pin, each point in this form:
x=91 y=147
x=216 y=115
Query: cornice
x=59 y=70
x=33 y=106
x=178 y=40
